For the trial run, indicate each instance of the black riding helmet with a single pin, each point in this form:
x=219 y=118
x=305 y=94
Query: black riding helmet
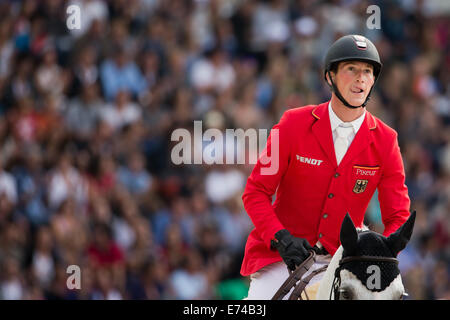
x=352 y=47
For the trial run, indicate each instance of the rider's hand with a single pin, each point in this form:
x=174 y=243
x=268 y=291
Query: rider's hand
x=293 y=250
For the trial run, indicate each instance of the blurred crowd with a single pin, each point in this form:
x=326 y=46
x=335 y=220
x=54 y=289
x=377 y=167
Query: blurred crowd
x=86 y=122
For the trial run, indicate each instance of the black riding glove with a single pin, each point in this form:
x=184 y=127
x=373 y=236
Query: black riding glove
x=293 y=250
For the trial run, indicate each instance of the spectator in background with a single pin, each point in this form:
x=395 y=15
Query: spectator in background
x=123 y=225
x=85 y=71
x=6 y=47
x=22 y=81
x=66 y=183
x=222 y=184
x=177 y=215
x=108 y=261
x=104 y=178
x=65 y=225
x=140 y=253
x=246 y=113
x=100 y=209
x=155 y=280
x=50 y=77
x=103 y=250
x=121 y=73
x=212 y=74
x=105 y=289
x=43 y=259
x=25 y=120
x=13 y=242
x=31 y=178
x=81 y=114
x=201 y=212
x=8 y=185
x=134 y=176
x=175 y=249
x=190 y=282
x=92 y=10
x=50 y=115
x=234 y=224
x=121 y=113
x=151 y=67
x=12 y=282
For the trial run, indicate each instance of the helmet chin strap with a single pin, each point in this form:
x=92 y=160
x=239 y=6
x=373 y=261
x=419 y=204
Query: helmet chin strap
x=340 y=97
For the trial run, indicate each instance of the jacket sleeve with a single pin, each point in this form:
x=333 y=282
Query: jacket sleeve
x=264 y=180
x=392 y=191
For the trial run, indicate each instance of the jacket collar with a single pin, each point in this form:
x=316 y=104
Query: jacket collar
x=322 y=130
x=335 y=121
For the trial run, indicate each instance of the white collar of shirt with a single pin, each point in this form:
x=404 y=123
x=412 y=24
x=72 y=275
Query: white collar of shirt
x=335 y=121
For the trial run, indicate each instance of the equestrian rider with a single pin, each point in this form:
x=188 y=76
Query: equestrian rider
x=330 y=158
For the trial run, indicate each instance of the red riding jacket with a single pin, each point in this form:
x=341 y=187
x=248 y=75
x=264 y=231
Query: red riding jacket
x=313 y=193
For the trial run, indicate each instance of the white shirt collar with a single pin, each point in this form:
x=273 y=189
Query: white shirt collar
x=335 y=121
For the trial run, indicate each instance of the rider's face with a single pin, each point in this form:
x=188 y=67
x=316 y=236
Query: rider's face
x=354 y=80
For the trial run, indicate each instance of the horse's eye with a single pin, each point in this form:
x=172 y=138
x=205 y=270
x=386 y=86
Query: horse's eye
x=345 y=294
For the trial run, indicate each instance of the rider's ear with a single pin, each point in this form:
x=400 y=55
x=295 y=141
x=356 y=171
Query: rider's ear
x=330 y=74
x=397 y=241
x=349 y=235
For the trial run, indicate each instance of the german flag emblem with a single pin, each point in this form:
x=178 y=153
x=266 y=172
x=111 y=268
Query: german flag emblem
x=360 y=186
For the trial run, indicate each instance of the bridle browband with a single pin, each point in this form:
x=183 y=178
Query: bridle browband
x=337 y=274
x=367 y=259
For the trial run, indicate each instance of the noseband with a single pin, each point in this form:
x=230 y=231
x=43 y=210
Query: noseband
x=337 y=274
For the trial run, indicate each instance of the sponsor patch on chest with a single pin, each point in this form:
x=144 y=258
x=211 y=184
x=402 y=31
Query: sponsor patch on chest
x=366 y=171
x=314 y=162
x=363 y=172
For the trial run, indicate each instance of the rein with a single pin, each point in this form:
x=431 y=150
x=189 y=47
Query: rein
x=297 y=275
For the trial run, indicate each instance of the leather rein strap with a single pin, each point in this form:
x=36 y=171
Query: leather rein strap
x=297 y=275
x=297 y=293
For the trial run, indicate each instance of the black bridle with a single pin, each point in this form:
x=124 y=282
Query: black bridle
x=337 y=274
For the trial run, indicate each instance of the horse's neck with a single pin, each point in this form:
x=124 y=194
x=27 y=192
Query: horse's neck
x=326 y=283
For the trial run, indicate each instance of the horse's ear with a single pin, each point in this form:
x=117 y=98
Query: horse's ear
x=349 y=235
x=398 y=240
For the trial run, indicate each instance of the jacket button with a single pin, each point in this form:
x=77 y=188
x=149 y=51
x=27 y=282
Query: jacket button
x=320 y=235
x=330 y=195
x=325 y=216
x=336 y=175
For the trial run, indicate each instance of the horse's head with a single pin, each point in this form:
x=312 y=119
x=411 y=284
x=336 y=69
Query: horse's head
x=365 y=266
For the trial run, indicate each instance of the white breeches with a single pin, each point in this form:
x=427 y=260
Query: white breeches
x=266 y=281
